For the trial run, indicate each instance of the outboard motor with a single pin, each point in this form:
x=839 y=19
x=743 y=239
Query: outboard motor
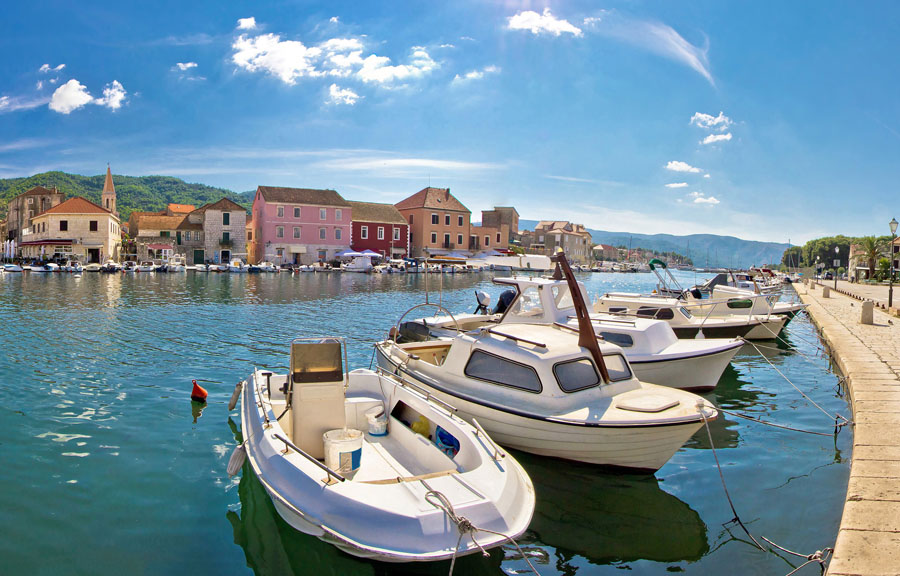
x=503 y=302
x=484 y=301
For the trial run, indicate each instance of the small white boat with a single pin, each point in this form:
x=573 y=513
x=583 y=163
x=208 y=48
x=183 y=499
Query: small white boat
x=145 y=266
x=46 y=267
x=238 y=266
x=92 y=267
x=12 y=268
x=361 y=264
x=129 y=266
x=72 y=266
x=267 y=267
x=373 y=465
x=176 y=263
x=217 y=268
x=199 y=267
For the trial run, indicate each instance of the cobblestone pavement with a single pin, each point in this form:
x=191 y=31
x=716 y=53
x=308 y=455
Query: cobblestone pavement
x=868 y=542
x=874 y=292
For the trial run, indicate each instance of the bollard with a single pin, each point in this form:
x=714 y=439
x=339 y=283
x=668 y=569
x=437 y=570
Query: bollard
x=826 y=292
x=867 y=316
x=812 y=285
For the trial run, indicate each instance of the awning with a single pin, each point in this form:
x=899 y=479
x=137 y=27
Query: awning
x=48 y=243
x=160 y=247
x=295 y=249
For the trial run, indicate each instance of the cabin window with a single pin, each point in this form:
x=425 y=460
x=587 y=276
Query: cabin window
x=576 y=375
x=296 y=212
x=617 y=367
x=497 y=370
x=657 y=313
x=364 y=232
x=528 y=304
x=562 y=296
x=623 y=340
x=685 y=313
x=739 y=303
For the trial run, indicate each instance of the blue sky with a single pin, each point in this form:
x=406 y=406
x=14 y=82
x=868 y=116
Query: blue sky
x=763 y=120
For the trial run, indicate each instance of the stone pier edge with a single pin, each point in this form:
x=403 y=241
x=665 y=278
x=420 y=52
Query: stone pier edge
x=868 y=541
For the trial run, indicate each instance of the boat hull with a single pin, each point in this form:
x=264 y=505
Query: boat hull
x=695 y=373
x=713 y=331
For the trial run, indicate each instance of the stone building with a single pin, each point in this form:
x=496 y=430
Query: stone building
x=574 y=239
x=76 y=228
x=24 y=207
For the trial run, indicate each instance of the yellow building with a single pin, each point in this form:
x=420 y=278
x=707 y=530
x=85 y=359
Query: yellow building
x=78 y=229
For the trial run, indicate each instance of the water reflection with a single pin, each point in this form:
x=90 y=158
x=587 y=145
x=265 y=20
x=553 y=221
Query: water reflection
x=609 y=518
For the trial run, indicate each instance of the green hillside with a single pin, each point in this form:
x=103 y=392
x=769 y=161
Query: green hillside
x=148 y=193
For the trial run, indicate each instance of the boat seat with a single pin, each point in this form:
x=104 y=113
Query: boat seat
x=317 y=393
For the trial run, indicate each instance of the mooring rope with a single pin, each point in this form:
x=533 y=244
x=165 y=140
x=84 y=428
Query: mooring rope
x=782 y=426
x=465 y=526
x=836 y=417
x=820 y=556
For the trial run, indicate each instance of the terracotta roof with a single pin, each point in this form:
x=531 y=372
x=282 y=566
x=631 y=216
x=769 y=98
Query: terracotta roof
x=76 y=205
x=158 y=222
x=186 y=224
x=375 y=212
x=40 y=190
x=223 y=204
x=434 y=198
x=181 y=208
x=302 y=196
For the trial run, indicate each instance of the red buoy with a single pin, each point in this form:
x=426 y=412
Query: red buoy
x=198 y=393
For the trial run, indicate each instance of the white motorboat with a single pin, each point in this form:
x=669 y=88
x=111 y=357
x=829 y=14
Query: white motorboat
x=201 y=267
x=217 y=268
x=46 y=267
x=358 y=264
x=12 y=268
x=654 y=351
x=544 y=390
x=398 y=466
x=72 y=266
x=267 y=267
x=761 y=304
x=238 y=266
x=145 y=266
x=176 y=263
x=129 y=266
x=92 y=267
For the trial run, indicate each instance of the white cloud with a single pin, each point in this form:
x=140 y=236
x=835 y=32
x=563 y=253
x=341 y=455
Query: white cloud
x=46 y=68
x=710 y=200
x=713 y=138
x=447 y=46
x=337 y=95
x=334 y=20
x=70 y=96
x=113 y=96
x=710 y=122
x=246 y=23
x=13 y=104
x=706 y=175
x=475 y=74
x=39 y=85
x=679 y=166
x=377 y=69
x=184 y=66
x=654 y=37
x=544 y=23
x=389 y=163
x=677 y=185
x=287 y=60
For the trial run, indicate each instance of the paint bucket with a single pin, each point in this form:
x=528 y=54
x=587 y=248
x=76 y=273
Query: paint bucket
x=343 y=450
x=377 y=421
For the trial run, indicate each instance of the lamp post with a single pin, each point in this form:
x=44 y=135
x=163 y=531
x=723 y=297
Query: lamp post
x=893 y=225
x=836 y=264
x=818 y=280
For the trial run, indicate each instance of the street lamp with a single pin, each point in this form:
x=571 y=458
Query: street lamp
x=893 y=225
x=817 y=270
x=837 y=261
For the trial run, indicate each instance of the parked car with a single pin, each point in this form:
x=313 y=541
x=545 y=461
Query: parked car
x=829 y=276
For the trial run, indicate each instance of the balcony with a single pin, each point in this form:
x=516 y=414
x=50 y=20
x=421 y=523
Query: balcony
x=226 y=242
x=474 y=244
x=448 y=245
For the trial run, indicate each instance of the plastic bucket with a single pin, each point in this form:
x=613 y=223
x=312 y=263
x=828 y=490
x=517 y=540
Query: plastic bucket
x=377 y=421
x=343 y=449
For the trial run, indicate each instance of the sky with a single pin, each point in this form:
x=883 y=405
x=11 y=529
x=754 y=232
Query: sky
x=767 y=121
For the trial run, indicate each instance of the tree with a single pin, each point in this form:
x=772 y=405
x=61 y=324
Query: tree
x=884 y=269
x=872 y=249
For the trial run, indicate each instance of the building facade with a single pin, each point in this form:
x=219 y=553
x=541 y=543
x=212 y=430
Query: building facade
x=76 y=228
x=549 y=235
x=380 y=228
x=298 y=225
x=438 y=222
x=24 y=207
x=499 y=228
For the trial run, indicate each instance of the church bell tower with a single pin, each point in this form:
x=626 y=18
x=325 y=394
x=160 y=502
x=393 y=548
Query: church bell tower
x=108 y=197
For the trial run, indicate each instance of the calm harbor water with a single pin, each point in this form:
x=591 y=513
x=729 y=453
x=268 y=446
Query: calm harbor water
x=107 y=470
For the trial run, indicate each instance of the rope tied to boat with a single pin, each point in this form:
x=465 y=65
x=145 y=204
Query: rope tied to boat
x=464 y=526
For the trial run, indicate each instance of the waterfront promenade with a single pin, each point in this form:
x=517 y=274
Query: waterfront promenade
x=868 y=542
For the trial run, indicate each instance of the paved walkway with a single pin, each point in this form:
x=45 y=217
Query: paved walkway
x=868 y=542
x=874 y=292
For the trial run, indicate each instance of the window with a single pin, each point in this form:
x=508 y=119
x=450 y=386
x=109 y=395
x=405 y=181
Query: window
x=381 y=232
x=296 y=232
x=281 y=211
x=487 y=241
x=739 y=303
x=617 y=367
x=187 y=235
x=296 y=212
x=459 y=221
x=279 y=231
x=322 y=255
x=459 y=239
x=226 y=218
x=323 y=213
x=562 y=296
x=528 y=304
x=30 y=201
x=93 y=226
x=410 y=219
x=433 y=238
x=165 y=234
x=322 y=234
x=541 y=239
x=623 y=340
x=364 y=232
x=434 y=219
x=337 y=214
x=249 y=235
x=338 y=233
x=498 y=237
x=447 y=240
x=279 y=252
x=576 y=375
x=446 y=219
x=63 y=225
x=497 y=370
x=226 y=236
x=396 y=233
x=657 y=313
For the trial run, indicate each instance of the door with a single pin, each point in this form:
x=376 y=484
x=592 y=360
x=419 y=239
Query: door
x=226 y=257
x=94 y=255
x=178 y=237
x=199 y=257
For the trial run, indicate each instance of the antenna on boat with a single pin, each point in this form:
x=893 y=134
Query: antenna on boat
x=586 y=337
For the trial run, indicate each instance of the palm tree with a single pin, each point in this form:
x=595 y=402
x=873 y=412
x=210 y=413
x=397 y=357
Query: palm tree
x=871 y=249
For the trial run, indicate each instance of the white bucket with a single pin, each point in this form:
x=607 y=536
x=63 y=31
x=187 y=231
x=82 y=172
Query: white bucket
x=343 y=449
x=377 y=421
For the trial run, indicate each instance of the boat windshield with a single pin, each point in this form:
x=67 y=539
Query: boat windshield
x=562 y=296
x=528 y=304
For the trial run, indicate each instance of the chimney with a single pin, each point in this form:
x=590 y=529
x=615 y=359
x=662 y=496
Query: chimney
x=448 y=194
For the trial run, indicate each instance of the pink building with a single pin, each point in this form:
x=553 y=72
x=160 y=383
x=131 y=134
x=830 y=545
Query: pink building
x=298 y=225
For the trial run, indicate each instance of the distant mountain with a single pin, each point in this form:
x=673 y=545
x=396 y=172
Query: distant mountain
x=147 y=193
x=719 y=251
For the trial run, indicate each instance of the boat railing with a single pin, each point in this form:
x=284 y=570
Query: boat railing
x=288 y=444
x=480 y=433
x=610 y=320
x=516 y=338
x=425 y=394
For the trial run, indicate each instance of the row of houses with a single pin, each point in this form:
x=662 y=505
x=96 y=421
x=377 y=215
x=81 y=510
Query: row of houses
x=285 y=225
